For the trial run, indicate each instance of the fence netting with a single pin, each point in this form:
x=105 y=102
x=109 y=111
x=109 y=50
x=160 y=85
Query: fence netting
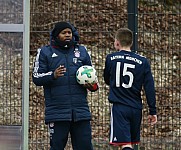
x=11 y=50
x=159 y=39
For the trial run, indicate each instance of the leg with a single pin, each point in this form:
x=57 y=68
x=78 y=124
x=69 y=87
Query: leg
x=120 y=125
x=135 y=129
x=59 y=134
x=81 y=135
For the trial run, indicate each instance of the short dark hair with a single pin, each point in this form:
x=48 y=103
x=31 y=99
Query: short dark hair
x=125 y=37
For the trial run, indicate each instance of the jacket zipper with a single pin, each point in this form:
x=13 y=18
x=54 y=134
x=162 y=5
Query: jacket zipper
x=69 y=86
x=66 y=57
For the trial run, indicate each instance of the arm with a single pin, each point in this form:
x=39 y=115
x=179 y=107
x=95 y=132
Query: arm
x=150 y=89
x=41 y=75
x=150 y=95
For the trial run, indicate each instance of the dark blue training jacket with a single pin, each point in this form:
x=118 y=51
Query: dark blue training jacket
x=126 y=73
x=65 y=99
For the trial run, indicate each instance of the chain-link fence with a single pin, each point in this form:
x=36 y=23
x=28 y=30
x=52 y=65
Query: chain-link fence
x=11 y=50
x=159 y=40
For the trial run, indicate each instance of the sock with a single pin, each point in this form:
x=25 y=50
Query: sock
x=127 y=148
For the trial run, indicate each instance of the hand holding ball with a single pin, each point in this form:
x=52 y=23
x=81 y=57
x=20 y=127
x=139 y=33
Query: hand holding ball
x=86 y=74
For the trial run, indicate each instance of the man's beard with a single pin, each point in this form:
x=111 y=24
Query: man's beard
x=63 y=44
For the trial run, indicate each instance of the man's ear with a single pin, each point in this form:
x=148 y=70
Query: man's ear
x=117 y=42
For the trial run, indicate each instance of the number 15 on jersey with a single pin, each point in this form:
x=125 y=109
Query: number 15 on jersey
x=126 y=72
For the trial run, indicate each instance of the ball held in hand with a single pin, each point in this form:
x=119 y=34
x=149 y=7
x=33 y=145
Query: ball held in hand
x=86 y=74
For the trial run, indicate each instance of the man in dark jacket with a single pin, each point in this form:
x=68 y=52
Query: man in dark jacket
x=67 y=109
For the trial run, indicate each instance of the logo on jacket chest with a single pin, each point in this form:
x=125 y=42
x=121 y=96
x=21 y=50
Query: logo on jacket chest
x=77 y=55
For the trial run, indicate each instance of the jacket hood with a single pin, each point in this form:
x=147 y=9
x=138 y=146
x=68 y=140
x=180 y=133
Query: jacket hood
x=56 y=42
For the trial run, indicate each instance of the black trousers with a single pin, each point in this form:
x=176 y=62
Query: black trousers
x=80 y=132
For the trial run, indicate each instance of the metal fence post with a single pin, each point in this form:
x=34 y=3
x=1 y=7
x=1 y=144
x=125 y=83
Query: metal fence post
x=132 y=8
x=25 y=100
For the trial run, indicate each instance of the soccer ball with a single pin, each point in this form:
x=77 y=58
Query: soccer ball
x=86 y=74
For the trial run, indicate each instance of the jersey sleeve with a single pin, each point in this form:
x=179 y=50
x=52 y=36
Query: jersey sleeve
x=41 y=76
x=150 y=89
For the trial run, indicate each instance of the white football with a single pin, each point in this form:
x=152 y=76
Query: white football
x=86 y=74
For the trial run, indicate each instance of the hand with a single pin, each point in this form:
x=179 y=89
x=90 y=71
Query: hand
x=88 y=85
x=152 y=119
x=59 y=71
x=91 y=87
